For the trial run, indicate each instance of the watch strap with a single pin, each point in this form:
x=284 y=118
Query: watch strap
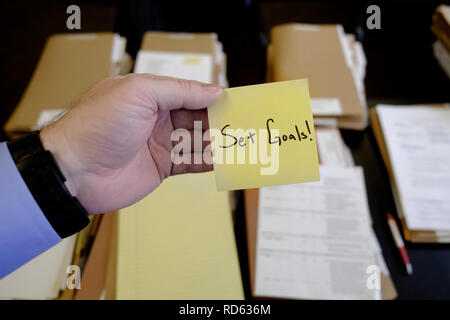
x=45 y=181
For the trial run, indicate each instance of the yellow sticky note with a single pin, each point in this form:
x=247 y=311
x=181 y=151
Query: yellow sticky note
x=263 y=135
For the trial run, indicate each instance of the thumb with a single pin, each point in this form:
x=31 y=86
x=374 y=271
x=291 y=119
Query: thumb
x=173 y=93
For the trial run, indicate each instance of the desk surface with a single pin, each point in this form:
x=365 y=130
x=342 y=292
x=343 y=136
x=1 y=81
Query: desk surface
x=401 y=69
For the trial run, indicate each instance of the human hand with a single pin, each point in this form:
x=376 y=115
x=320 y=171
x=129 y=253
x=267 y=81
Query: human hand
x=114 y=147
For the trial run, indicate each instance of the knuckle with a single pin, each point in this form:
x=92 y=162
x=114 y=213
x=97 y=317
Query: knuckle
x=132 y=79
x=185 y=86
x=107 y=82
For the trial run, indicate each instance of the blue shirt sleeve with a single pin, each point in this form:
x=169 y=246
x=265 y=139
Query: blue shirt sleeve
x=24 y=230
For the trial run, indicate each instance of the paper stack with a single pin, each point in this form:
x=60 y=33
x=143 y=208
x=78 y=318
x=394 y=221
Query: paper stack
x=178 y=242
x=315 y=240
x=68 y=66
x=190 y=56
x=415 y=145
x=441 y=29
x=334 y=64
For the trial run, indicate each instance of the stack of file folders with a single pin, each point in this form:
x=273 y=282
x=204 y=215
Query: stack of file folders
x=68 y=66
x=334 y=64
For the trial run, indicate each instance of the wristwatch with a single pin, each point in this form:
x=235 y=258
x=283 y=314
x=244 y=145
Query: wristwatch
x=45 y=181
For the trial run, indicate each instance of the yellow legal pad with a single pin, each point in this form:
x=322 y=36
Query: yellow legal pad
x=263 y=135
x=178 y=243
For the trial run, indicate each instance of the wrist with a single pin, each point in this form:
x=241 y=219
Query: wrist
x=56 y=143
x=45 y=181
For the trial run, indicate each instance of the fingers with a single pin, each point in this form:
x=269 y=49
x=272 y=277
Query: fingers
x=190 y=141
x=191 y=158
x=185 y=119
x=190 y=168
x=173 y=94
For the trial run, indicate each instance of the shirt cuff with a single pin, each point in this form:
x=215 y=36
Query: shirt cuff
x=24 y=230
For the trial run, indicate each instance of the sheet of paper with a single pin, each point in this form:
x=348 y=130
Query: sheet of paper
x=442 y=56
x=326 y=106
x=326 y=122
x=445 y=11
x=178 y=243
x=48 y=116
x=314 y=240
x=332 y=149
x=418 y=143
x=263 y=135
x=192 y=66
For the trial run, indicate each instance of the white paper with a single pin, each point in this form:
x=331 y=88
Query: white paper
x=418 y=143
x=326 y=122
x=118 y=54
x=332 y=148
x=314 y=239
x=442 y=56
x=48 y=116
x=345 y=46
x=218 y=49
x=379 y=253
x=192 y=66
x=445 y=11
x=326 y=107
x=118 y=48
